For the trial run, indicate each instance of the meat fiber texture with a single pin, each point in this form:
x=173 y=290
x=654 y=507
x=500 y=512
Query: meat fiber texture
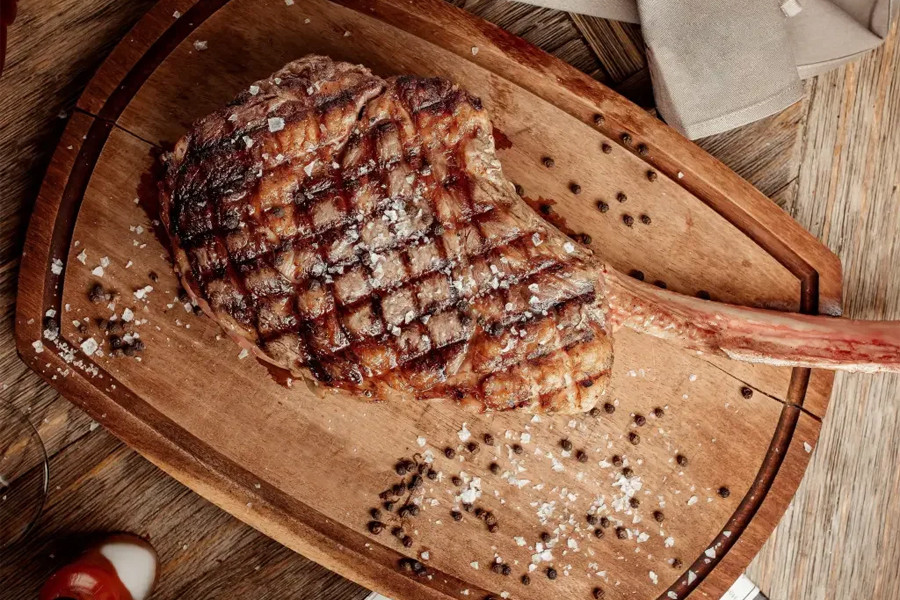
x=359 y=232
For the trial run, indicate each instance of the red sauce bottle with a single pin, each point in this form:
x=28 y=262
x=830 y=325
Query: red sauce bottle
x=120 y=567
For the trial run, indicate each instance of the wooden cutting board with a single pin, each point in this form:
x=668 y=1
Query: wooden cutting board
x=307 y=470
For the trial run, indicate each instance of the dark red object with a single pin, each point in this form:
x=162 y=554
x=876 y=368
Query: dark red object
x=7 y=16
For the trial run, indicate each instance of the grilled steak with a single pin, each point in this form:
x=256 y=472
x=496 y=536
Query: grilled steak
x=358 y=232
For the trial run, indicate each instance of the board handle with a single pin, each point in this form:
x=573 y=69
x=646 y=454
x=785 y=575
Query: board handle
x=752 y=334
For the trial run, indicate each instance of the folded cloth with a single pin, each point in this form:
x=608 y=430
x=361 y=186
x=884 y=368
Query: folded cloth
x=719 y=64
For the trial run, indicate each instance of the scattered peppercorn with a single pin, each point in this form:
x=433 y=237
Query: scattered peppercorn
x=403 y=512
x=592 y=519
x=456 y=480
x=449 y=452
x=634 y=502
x=659 y=413
x=599 y=119
x=457 y=516
x=660 y=284
x=602 y=206
x=565 y=445
x=431 y=474
x=545 y=209
x=406 y=564
x=388 y=505
x=646 y=220
x=407 y=542
x=496 y=567
x=621 y=533
x=586 y=382
x=628 y=220
x=548 y=162
x=634 y=438
x=517 y=449
x=467 y=506
x=651 y=175
x=398 y=488
x=626 y=138
x=479 y=511
x=415 y=482
x=639 y=275
x=375 y=513
x=746 y=392
x=505 y=569
x=545 y=537
x=473 y=447
x=581 y=456
x=604 y=522
x=609 y=407
x=401 y=468
x=520 y=190
x=575 y=188
x=397 y=532
x=676 y=563
x=115 y=342
x=621 y=197
x=551 y=573
x=495 y=468
x=526 y=580
x=704 y=295
x=627 y=471
x=96 y=294
x=682 y=460
x=616 y=460
x=598 y=593
x=493 y=527
x=376 y=527
x=585 y=239
x=724 y=492
x=598 y=533
x=489 y=439
x=642 y=149
x=607 y=149
x=658 y=516
x=640 y=420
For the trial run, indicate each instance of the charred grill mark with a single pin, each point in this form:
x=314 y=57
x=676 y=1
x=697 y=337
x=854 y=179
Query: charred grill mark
x=364 y=242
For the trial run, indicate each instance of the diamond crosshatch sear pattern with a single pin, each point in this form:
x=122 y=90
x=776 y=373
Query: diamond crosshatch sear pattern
x=360 y=231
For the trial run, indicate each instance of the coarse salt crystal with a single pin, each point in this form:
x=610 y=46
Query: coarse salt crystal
x=104 y=262
x=127 y=315
x=201 y=45
x=692 y=377
x=569 y=247
x=82 y=257
x=474 y=564
x=97 y=271
x=308 y=169
x=710 y=552
x=691 y=577
x=276 y=124
x=654 y=578
x=176 y=14
x=464 y=434
x=525 y=438
x=38 y=346
x=248 y=141
x=692 y=500
x=254 y=90
x=243 y=354
x=670 y=541
x=56 y=266
x=289 y=2
x=89 y=346
x=520 y=541
x=425 y=555
x=807 y=447
x=474 y=50
x=421 y=441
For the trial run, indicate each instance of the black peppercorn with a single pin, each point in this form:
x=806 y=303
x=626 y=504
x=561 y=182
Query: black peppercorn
x=505 y=569
x=598 y=533
x=401 y=468
x=479 y=511
x=626 y=138
x=388 y=505
x=545 y=537
x=628 y=220
x=551 y=573
x=660 y=284
x=586 y=240
x=431 y=474
x=621 y=197
x=681 y=460
x=415 y=482
x=493 y=527
x=646 y=220
x=676 y=563
x=581 y=456
x=658 y=516
x=609 y=407
x=616 y=460
x=598 y=593
x=467 y=506
x=639 y=275
x=594 y=412
x=724 y=492
x=457 y=516
x=449 y=452
x=604 y=522
x=651 y=175
x=575 y=188
x=496 y=567
x=520 y=190
x=704 y=295
x=586 y=383
x=627 y=471
x=398 y=488
x=642 y=149
x=397 y=532
x=621 y=533
x=489 y=439
x=495 y=468
x=592 y=519
x=472 y=447
x=640 y=420
x=407 y=542
x=599 y=119
x=602 y=206
x=403 y=512
x=606 y=148
x=456 y=480
x=545 y=209
x=375 y=513
x=376 y=527
x=746 y=392
x=634 y=438
x=659 y=413
x=634 y=502
x=526 y=580
x=548 y=162
x=517 y=449
x=565 y=445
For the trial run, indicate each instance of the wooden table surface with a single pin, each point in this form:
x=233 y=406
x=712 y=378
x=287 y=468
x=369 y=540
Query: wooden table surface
x=832 y=161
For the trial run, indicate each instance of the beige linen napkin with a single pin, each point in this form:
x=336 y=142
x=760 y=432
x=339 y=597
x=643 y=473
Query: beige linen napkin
x=719 y=64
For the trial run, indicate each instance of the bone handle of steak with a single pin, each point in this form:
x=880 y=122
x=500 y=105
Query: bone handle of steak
x=751 y=334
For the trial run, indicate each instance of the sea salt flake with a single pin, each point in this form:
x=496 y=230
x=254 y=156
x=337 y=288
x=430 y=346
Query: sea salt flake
x=56 y=266
x=669 y=542
x=308 y=169
x=474 y=50
x=710 y=552
x=425 y=555
x=38 y=346
x=201 y=45
x=127 y=315
x=525 y=438
x=254 y=90
x=421 y=441
x=97 y=271
x=104 y=262
x=464 y=434
x=248 y=141
x=520 y=541
x=176 y=14
x=692 y=501
x=89 y=346
x=243 y=354
x=569 y=247
x=82 y=257
x=691 y=577
x=672 y=595
x=474 y=564
x=289 y=2
x=654 y=578
x=276 y=124
x=807 y=447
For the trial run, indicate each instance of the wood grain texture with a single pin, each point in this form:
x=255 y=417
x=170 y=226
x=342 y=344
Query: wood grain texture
x=840 y=536
x=789 y=568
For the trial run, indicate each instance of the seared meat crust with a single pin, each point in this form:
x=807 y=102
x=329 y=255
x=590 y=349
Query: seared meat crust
x=359 y=232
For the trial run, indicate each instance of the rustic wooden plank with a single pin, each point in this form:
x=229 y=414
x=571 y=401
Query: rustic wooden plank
x=839 y=538
x=100 y=485
x=618 y=46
